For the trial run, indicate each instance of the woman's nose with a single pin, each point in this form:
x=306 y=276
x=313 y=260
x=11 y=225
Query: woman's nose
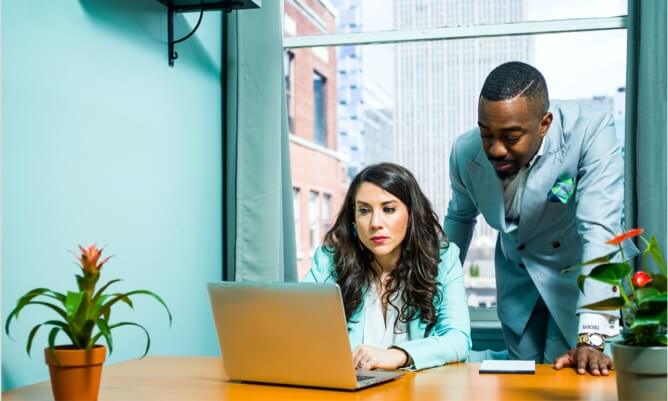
x=376 y=221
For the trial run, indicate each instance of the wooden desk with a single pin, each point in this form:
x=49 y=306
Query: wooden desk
x=202 y=378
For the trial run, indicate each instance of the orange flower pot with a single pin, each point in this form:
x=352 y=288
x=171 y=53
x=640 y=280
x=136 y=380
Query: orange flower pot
x=77 y=376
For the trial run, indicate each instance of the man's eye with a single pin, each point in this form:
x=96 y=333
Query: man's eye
x=512 y=139
x=389 y=210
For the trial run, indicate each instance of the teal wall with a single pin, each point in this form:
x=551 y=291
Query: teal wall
x=104 y=142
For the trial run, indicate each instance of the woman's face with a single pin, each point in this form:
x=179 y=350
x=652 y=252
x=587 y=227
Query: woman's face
x=382 y=221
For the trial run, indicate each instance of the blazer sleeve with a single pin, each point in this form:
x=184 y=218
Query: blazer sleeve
x=322 y=267
x=462 y=213
x=599 y=200
x=450 y=338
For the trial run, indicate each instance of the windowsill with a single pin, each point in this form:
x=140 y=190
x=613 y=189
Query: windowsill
x=484 y=318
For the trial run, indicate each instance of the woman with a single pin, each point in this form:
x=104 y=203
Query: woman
x=401 y=281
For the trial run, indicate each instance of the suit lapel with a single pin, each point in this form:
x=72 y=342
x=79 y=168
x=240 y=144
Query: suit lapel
x=356 y=325
x=490 y=198
x=541 y=178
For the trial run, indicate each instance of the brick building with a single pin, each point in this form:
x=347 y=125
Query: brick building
x=319 y=170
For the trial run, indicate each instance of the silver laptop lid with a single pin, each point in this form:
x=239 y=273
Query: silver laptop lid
x=286 y=333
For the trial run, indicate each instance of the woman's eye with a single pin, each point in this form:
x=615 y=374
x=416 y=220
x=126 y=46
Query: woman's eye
x=362 y=211
x=389 y=210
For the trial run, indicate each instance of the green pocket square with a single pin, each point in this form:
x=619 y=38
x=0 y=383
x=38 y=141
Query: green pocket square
x=562 y=190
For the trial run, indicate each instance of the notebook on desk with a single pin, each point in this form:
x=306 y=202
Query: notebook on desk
x=509 y=366
x=287 y=333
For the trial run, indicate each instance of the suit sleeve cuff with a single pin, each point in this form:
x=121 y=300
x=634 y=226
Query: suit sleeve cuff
x=598 y=323
x=409 y=359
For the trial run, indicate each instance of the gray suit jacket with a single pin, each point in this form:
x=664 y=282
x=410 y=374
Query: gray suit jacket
x=580 y=144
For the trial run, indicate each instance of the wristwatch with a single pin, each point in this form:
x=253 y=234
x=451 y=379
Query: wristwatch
x=593 y=340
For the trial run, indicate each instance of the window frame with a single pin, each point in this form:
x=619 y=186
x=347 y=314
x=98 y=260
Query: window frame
x=481 y=318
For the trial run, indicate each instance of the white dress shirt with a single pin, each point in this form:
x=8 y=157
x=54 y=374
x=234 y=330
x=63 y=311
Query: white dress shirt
x=379 y=330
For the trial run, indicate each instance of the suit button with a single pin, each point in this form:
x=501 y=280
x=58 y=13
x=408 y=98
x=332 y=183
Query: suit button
x=522 y=266
x=556 y=244
x=521 y=247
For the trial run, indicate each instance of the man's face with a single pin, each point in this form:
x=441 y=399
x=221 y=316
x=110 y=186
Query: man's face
x=511 y=132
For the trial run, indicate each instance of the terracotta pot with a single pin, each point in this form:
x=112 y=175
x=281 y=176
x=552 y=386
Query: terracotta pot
x=76 y=374
x=641 y=372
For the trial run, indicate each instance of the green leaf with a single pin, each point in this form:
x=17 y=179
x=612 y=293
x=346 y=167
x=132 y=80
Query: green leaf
x=645 y=321
x=652 y=311
x=80 y=282
x=31 y=336
x=659 y=298
x=152 y=294
x=581 y=282
x=52 y=343
x=66 y=330
x=72 y=302
x=103 y=288
x=86 y=332
x=57 y=309
x=148 y=337
x=606 y=304
x=34 y=330
x=26 y=300
x=658 y=282
x=643 y=293
x=595 y=261
x=106 y=309
x=610 y=273
x=106 y=332
x=655 y=252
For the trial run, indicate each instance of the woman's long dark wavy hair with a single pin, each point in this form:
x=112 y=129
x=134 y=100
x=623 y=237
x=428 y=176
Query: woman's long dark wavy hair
x=417 y=268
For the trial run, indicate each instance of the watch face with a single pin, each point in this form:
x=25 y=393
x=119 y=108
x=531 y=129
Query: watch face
x=596 y=340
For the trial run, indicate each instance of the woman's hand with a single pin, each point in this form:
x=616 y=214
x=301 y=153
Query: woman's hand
x=367 y=357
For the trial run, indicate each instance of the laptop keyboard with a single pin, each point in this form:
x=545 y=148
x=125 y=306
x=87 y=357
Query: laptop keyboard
x=362 y=377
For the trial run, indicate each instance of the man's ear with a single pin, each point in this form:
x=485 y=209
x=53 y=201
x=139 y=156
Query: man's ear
x=545 y=123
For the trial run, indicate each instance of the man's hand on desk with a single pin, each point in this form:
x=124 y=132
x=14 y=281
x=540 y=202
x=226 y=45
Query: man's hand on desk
x=583 y=359
x=368 y=357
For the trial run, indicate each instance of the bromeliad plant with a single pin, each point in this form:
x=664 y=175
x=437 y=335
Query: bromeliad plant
x=82 y=311
x=642 y=295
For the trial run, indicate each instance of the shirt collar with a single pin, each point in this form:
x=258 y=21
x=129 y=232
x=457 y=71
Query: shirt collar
x=541 y=150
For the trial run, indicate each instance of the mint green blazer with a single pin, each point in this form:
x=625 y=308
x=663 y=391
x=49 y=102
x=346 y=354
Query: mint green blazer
x=449 y=339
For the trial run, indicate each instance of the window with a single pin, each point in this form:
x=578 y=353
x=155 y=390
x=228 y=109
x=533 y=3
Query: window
x=298 y=226
x=319 y=111
x=313 y=221
x=326 y=213
x=406 y=102
x=289 y=71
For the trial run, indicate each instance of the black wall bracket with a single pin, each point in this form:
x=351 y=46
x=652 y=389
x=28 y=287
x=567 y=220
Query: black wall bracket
x=183 y=6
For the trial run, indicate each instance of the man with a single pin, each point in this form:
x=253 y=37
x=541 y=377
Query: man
x=550 y=181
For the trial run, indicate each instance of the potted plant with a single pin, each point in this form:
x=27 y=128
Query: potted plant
x=640 y=358
x=84 y=316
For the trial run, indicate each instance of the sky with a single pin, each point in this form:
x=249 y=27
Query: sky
x=580 y=64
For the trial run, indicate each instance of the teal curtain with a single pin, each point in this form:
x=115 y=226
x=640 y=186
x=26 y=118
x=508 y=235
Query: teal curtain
x=259 y=215
x=646 y=132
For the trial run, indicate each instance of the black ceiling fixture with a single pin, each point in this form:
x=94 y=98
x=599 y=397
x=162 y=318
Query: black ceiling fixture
x=184 y=6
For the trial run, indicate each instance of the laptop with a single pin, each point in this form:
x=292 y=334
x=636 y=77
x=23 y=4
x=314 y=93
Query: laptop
x=287 y=333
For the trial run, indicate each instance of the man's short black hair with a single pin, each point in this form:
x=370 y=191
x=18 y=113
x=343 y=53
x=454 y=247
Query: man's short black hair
x=516 y=78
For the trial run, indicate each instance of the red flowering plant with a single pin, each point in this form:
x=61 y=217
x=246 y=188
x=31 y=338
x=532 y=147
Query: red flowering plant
x=81 y=312
x=642 y=294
